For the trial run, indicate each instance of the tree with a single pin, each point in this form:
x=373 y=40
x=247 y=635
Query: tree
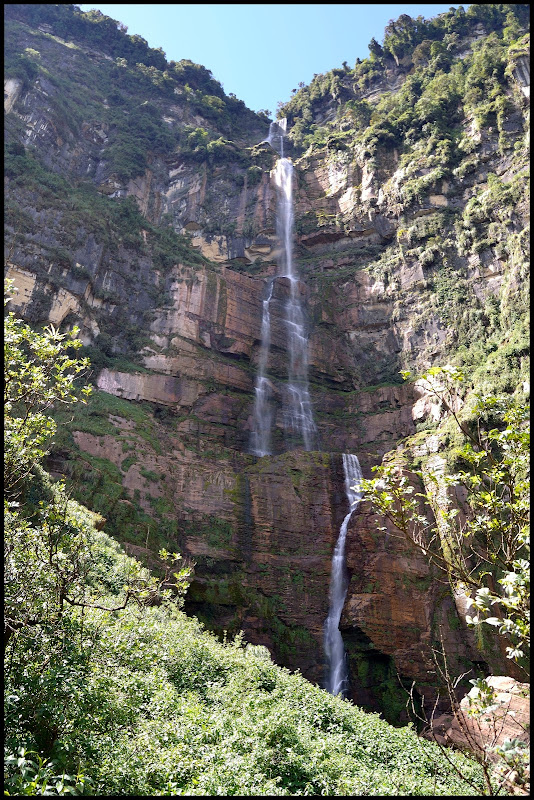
x=375 y=49
x=485 y=554
x=401 y=35
x=60 y=572
x=39 y=372
x=47 y=543
x=421 y=54
x=482 y=549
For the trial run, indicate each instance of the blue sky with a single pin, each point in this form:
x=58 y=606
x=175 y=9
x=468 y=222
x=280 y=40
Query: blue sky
x=260 y=52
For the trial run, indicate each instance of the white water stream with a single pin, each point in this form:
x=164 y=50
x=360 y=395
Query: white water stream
x=336 y=658
x=297 y=409
x=260 y=442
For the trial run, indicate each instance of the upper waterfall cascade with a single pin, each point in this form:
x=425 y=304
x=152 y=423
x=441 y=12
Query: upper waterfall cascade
x=338 y=675
x=297 y=410
x=277 y=131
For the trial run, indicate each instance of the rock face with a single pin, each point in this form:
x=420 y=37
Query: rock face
x=479 y=728
x=285 y=521
x=171 y=317
x=509 y=719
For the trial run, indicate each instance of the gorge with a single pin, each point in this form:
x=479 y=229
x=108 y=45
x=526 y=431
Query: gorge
x=248 y=313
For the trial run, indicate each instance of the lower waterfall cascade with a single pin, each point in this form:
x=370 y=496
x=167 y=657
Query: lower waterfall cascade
x=337 y=676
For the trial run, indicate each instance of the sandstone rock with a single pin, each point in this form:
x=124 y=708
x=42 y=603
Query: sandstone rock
x=411 y=275
x=369 y=192
x=438 y=200
x=162 y=389
x=12 y=90
x=395 y=598
x=24 y=283
x=103 y=447
x=64 y=303
x=508 y=719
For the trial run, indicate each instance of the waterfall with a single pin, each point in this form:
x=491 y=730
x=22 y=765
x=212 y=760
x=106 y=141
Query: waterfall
x=338 y=676
x=262 y=413
x=297 y=415
x=277 y=131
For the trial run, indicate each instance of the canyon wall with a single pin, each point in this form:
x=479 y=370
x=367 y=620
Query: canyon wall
x=163 y=264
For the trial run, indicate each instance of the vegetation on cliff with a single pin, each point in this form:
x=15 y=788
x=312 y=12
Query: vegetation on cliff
x=134 y=67
x=489 y=445
x=438 y=89
x=111 y=690
x=437 y=126
x=473 y=524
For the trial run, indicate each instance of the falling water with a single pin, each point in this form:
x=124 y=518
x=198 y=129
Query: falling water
x=298 y=416
x=262 y=413
x=338 y=677
x=277 y=131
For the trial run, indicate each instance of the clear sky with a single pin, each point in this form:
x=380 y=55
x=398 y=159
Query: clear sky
x=260 y=52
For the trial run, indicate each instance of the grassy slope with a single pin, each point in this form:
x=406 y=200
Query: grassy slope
x=145 y=702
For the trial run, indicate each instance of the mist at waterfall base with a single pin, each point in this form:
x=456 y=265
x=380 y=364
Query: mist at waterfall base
x=337 y=681
x=297 y=410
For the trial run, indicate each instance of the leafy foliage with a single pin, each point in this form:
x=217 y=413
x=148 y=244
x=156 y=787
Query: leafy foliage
x=433 y=97
x=131 y=69
x=39 y=372
x=485 y=555
x=482 y=547
x=26 y=773
x=47 y=543
x=164 y=707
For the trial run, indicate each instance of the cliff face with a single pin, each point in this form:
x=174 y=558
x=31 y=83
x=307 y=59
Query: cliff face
x=161 y=255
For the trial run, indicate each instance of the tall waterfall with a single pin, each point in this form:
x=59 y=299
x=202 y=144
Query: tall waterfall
x=298 y=415
x=260 y=443
x=338 y=676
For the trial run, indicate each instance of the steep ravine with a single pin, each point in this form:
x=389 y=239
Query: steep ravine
x=171 y=317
